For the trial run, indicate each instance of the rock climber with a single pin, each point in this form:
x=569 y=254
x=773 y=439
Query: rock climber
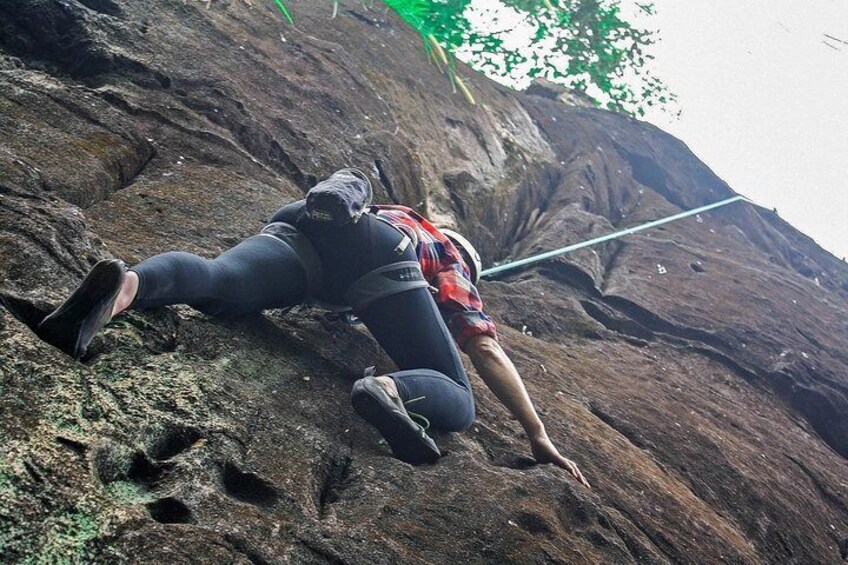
x=411 y=284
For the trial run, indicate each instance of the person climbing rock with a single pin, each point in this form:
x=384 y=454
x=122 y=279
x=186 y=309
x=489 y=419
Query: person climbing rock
x=411 y=284
x=452 y=266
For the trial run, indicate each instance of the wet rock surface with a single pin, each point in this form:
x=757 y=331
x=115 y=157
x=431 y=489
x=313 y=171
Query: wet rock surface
x=706 y=401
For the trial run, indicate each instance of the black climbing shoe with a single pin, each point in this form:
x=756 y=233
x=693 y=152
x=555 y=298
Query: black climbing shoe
x=73 y=325
x=408 y=440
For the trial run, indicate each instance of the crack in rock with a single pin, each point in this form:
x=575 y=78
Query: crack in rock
x=248 y=487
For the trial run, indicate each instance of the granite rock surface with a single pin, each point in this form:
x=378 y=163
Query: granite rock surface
x=696 y=372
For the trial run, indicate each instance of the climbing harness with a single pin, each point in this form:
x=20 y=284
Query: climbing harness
x=385 y=281
x=556 y=252
x=288 y=235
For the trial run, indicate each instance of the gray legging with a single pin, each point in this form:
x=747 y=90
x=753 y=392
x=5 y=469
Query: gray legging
x=259 y=273
x=264 y=272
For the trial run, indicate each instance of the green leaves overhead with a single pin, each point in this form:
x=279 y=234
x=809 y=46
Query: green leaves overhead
x=586 y=45
x=582 y=44
x=284 y=10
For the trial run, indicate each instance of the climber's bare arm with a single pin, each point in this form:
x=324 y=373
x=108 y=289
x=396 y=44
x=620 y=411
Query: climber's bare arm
x=501 y=376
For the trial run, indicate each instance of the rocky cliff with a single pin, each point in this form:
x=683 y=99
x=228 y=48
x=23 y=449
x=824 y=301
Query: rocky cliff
x=706 y=400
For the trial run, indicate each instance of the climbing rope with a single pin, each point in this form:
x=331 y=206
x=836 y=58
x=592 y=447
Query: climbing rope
x=556 y=252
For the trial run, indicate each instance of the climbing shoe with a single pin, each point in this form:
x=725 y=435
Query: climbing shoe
x=408 y=440
x=73 y=325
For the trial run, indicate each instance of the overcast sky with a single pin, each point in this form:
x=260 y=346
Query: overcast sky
x=764 y=95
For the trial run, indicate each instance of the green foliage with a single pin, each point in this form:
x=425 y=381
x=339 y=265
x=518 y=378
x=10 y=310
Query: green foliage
x=284 y=10
x=581 y=44
x=585 y=45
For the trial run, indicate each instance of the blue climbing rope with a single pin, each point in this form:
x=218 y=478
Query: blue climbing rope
x=550 y=254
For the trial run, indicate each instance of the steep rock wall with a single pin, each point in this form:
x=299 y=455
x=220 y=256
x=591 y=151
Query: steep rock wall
x=707 y=405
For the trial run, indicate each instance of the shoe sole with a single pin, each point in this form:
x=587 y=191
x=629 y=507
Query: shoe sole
x=407 y=439
x=86 y=311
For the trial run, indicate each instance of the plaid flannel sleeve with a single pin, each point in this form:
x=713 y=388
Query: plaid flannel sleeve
x=461 y=305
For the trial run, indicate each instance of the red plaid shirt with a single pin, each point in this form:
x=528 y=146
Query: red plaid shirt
x=443 y=267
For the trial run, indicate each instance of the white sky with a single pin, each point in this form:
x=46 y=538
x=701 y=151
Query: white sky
x=764 y=100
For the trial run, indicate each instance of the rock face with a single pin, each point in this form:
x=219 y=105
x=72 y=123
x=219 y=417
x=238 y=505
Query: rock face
x=706 y=400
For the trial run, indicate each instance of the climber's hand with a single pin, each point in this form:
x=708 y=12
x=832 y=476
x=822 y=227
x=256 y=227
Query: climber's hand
x=545 y=452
